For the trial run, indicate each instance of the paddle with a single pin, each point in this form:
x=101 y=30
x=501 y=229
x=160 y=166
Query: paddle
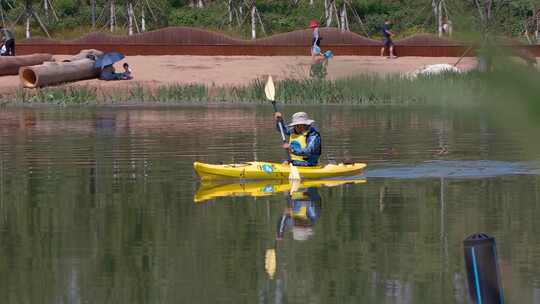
x=270 y=92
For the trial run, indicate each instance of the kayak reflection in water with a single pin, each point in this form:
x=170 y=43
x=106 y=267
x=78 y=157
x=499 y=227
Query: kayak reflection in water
x=303 y=209
x=304 y=146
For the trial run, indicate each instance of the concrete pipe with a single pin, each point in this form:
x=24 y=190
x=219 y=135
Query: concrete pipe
x=78 y=67
x=57 y=72
x=9 y=65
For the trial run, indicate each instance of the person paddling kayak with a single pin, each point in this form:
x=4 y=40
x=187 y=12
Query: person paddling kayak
x=304 y=146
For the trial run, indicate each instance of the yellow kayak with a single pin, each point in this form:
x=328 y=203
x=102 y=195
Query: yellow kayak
x=266 y=170
x=209 y=190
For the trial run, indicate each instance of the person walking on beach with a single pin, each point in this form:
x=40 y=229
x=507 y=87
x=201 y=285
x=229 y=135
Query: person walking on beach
x=316 y=39
x=304 y=146
x=8 y=41
x=387 y=40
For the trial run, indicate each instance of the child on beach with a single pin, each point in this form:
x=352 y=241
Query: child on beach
x=316 y=39
x=127 y=72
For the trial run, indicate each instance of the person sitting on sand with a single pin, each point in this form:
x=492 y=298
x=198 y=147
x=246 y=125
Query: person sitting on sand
x=304 y=146
x=109 y=73
x=127 y=71
x=387 y=40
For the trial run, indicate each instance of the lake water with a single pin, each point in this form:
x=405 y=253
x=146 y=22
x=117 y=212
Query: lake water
x=97 y=206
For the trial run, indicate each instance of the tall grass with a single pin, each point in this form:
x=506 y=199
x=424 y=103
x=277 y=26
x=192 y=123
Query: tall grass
x=363 y=89
x=56 y=96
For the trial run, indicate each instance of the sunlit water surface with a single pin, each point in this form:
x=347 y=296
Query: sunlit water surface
x=97 y=206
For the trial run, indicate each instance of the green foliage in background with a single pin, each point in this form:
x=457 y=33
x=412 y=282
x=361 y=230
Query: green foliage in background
x=510 y=18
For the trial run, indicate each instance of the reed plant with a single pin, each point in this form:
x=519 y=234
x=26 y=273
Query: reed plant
x=68 y=95
x=364 y=90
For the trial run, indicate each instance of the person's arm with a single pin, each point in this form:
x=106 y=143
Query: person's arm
x=279 y=120
x=314 y=142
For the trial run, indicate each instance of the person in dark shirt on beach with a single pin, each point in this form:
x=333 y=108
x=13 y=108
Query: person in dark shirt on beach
x=109 y=73
x=387 y=40
x=7 y=41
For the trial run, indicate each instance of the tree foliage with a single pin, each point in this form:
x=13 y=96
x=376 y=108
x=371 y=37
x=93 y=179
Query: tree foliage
x=515 y=18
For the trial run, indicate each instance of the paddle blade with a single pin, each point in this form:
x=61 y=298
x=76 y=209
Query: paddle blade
x=270 y=262
x=294 y=174
x=295 y=185
x=269 y=89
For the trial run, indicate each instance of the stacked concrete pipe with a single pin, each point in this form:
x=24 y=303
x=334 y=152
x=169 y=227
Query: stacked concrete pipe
x=78 y=67
x=10 y=65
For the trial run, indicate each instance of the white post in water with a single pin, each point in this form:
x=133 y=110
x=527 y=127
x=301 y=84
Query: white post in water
x=253 y=22
x=230 y=8
x=46 y=7
x=143 y=20
x=328 y=13
x=27 y=25
x=130 y=18
x=113 y=17
x=536 y=12
x=343 y=17
x=440 y=18
x=93 y=4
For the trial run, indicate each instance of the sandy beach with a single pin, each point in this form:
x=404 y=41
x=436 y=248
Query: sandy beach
x=241 y=70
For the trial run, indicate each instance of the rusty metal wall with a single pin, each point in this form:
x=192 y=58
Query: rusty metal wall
x=195 y=36
x=193 y=41
x=238 y=50
x=248 y=50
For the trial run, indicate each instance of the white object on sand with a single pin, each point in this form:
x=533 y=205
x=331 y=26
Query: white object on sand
x=434 y=69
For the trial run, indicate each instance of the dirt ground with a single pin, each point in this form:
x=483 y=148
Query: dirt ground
x=241 y=70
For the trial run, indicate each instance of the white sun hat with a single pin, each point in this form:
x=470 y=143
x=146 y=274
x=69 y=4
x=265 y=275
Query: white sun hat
x=301 y=118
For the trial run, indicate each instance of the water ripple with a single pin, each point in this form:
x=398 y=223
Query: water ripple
x=457 y=169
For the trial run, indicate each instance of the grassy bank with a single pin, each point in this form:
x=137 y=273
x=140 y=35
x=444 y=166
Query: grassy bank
x=358 y=90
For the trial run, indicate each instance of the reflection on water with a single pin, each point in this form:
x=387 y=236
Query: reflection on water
x=303 y=209
x=457 y=169
x=211 y=190
x=97 y=206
